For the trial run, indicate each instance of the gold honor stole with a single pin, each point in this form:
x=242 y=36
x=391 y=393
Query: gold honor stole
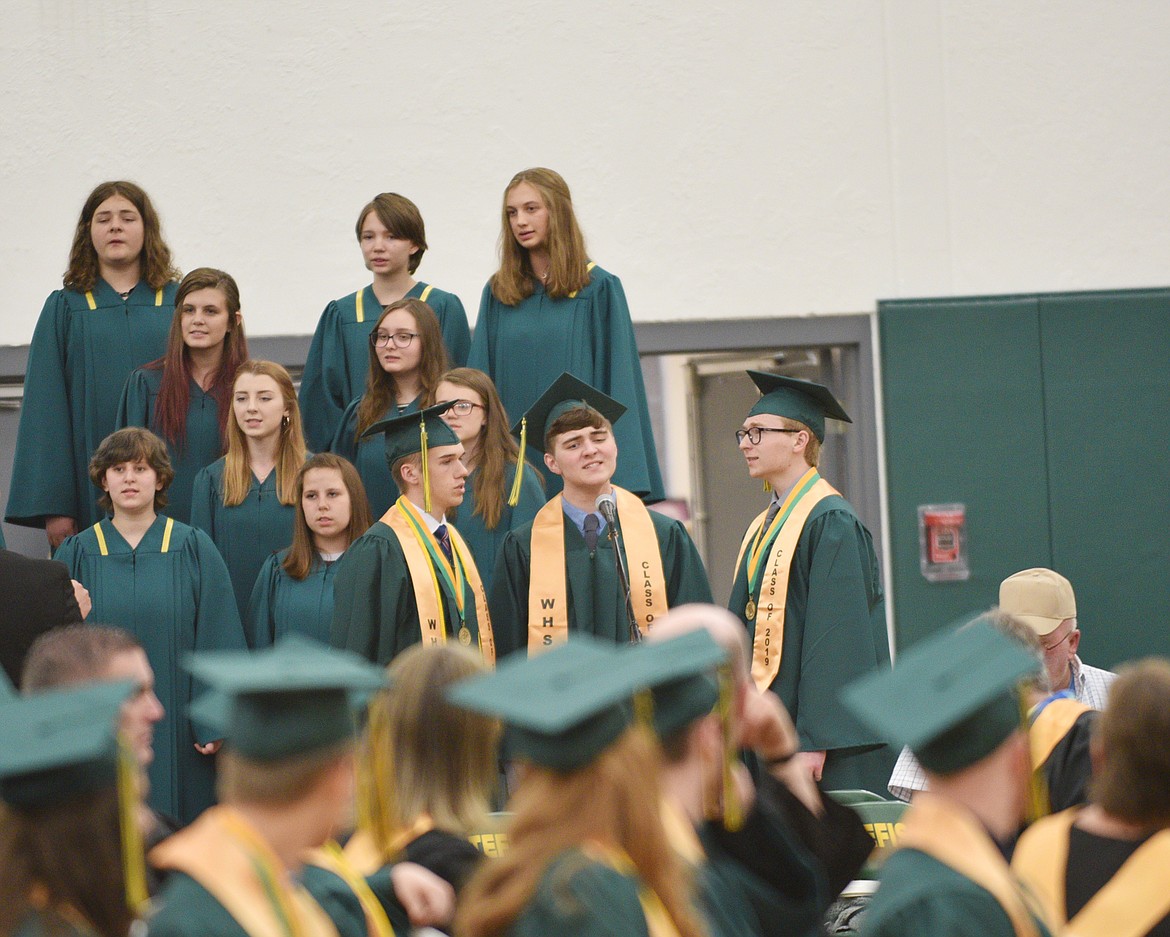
x=332 y=858
x=1053 y=724
x=429 y=567
x=1129 y=904
x=658 y=920
x=548 y=591
x=955 y=838
x=228 y=857
x=767 y=582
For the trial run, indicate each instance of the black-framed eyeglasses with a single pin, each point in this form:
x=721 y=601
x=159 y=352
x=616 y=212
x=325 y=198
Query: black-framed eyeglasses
x=755 y=433
x=381 y=339
x=464 y=407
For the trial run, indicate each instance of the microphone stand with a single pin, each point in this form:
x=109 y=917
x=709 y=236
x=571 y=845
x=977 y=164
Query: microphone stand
x=608 y=511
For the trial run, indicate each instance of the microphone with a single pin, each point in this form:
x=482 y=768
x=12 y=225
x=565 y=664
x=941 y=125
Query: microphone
x=607 y=505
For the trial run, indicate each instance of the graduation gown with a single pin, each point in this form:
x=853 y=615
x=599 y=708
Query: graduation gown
x=369 y=456
x=338 y=361
x=485 y=544
x=337 y=899
x=596 y=604
x=203 y=443
x=247 y=533
x=834 y=631
x=525 y=347
x=282 y=605
x=174 y=597
x=374 y=609
x=78 y=361
x=44 y=923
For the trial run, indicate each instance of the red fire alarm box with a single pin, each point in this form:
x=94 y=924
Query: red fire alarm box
x=942 y=542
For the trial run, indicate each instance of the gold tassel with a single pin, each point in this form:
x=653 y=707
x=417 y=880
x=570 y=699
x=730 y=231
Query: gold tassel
x=644 y=708
x=767 y=486
x=133 y=856
x=426 y=469
x=732 y=808
x=514 y=496
x=375 y=780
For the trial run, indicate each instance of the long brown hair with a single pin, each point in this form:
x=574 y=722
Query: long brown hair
x=568 y=261
x=290 y=456
x=402 y=219
x=72 y=850
x=614 y=800
x=157 y=267
x=381 y=391
x=302 y=554
x=174 y=392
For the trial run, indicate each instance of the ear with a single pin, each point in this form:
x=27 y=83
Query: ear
x=551 y=462
x=1074 y=641
x=239 y=319
x=800 y=441
x=105 y=485
x=413 y=248
x=411 y=474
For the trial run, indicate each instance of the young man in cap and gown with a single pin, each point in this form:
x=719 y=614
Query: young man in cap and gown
x=557 y=575
x=807 y=585
x=411 y=577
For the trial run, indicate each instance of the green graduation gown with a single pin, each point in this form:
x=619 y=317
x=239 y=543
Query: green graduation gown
x=202 y=446
x=38 y=923
x=282 y=605
x=338 y=360
x=596 y=605
x=524 y=348
x=374 y=610
x=78 y=362
x=174 y=601
x=369 y=457
x=485 y=544
x=247 y=533
x=338 y=900
x=834 y=631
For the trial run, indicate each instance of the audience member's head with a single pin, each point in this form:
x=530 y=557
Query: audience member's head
x=1044 y=601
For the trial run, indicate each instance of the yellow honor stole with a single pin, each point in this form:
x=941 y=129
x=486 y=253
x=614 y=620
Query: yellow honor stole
x=953 y=836
x=548 y=601
x=658 y=920
x=769 y=563
x=332 y=858
x=228 y=857
x=1053 y=723
x=1129 y=905
x=431 y=574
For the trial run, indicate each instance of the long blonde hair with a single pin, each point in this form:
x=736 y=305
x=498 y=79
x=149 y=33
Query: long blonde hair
x=568 y=261
x=290 y=456
x=615 y=800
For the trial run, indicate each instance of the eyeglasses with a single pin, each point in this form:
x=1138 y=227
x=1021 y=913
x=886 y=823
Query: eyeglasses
x=756 y=433
x=464 y=407
x=381 y=339
x=1053 y=647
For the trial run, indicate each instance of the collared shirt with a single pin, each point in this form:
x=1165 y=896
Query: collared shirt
x=577 y=516
x=1090 y=685
x=431 y=522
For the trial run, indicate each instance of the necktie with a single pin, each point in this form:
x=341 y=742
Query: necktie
x=773 y=510
x=591 y=525
x=444 y=540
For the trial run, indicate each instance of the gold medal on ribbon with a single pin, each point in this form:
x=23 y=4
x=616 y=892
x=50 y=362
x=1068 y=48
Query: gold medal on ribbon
x=750 y=609
x=464 y=636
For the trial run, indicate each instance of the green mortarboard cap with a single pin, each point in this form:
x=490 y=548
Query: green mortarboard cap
x=564 y=394
x=58 y=744
x=952 y=699
x=680 y=673
x=797 y=399
x=297 y=696
x=6 y=687
x=403 y=434
x=563 y=707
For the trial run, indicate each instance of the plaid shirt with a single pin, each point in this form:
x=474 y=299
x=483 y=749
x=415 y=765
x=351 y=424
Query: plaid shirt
x=1089 y=684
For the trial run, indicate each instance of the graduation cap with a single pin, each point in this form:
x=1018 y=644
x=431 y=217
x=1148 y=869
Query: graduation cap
x=797 y=399
x=7 y=690
x=680 y=673
x=953 y=698
x=416 y=432
x=563 y=708
x=297 y=696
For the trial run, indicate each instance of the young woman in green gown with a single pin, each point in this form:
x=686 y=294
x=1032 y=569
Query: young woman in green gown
x=406 y=359
x=246 y=501
x=185 y=396
x=294 y=591
x=494 y=503
x=549 y=309
x=111 y=317
x=393 y=240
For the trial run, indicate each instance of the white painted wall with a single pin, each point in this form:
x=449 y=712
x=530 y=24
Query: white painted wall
x=762 y=157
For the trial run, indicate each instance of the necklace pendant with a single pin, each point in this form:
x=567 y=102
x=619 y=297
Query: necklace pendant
x=464 y=636
x=750 y=609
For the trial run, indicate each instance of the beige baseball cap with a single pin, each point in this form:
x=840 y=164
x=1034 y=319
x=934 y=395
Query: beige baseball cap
x=1040 y=598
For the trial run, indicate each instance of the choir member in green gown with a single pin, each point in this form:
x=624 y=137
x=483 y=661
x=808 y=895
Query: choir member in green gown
x=286 y=782
x=549 y=309
x=496 y=502
x=393 y=240
x=954 y=699
x=411 y=577
x=70 y=851
x=294 y=591
x=246 y=500
x=829 y=624
x=111 y=317
x=406 y=358
x=557 y=575
x=166 y=584
x=185 y=396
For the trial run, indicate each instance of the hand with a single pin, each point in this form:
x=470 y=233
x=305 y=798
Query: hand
x=766 y=728
x=429 y=900
x=210 y=748
x=83 y=600
x=57 y=528
x=815 y=761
